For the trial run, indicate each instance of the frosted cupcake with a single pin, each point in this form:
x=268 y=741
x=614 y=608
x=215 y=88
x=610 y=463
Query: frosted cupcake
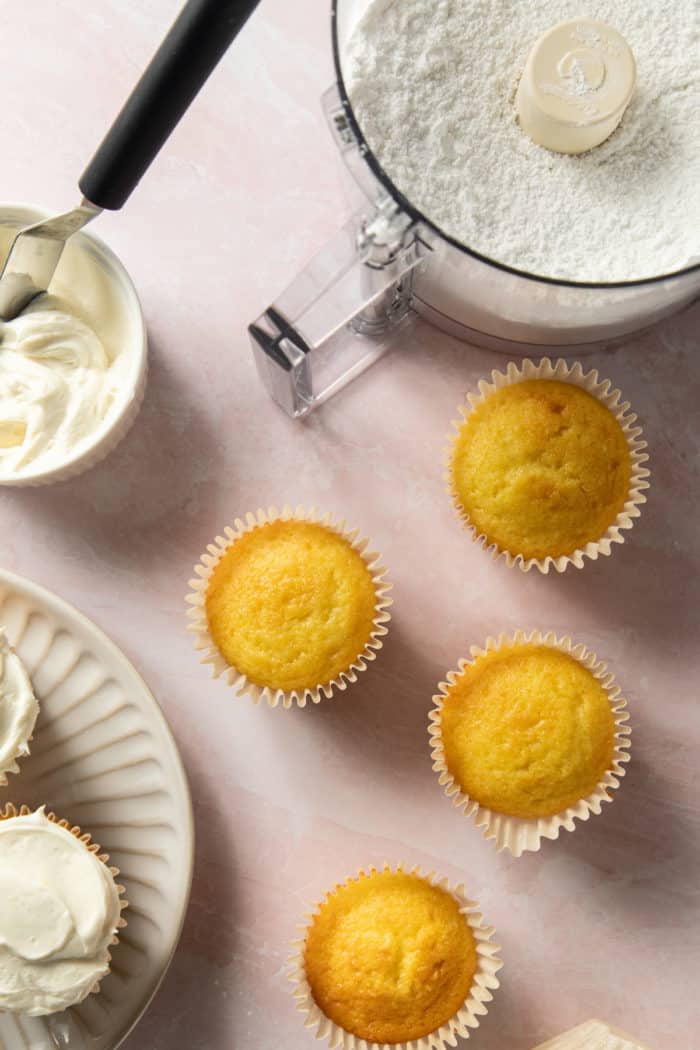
x=289 y=606
x=593 y=1035
x=527 y=736
x=60 y=911
x=19 y=709
x=546 y=466
x=395 y=958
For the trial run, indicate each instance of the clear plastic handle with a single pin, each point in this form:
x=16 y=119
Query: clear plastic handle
x=343 y=311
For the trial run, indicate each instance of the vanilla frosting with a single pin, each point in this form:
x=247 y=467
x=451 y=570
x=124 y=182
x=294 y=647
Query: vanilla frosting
x=57 y=386
x=18 y=708
x=59 y=910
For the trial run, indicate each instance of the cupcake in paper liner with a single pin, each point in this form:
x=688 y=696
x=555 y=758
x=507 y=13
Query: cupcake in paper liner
x=19 y=709
x=593 y=1035
x=545 y=467
x=394 y=958
x=289 y=605
x=60 y=912
x=527 y=736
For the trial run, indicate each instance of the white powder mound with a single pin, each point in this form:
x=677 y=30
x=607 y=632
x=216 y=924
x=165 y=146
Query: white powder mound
x=433 y=82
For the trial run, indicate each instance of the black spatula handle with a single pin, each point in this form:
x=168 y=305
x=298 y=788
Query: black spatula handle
x=197 y=40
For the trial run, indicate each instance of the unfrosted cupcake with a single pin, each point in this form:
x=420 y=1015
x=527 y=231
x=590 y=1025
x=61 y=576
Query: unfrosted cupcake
x=60 y=912
x=290 y=606
x=546 y=465
x=392 y=958
x=19 y=709
x=527 y=735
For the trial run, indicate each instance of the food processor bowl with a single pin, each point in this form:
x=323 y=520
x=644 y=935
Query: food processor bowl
x=389 y=263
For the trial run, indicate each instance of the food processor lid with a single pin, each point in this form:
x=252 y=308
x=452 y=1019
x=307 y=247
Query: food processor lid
x=418 y=216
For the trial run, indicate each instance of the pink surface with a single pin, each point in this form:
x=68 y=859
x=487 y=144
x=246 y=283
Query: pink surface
x=603 y=922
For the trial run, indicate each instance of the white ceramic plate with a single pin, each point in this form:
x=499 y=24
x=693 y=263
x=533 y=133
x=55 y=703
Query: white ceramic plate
x=103 y=758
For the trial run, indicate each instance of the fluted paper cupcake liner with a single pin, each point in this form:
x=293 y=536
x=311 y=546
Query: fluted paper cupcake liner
x=8 y=810
x=519 y=834
x=593 y=1035
x=612 y=399
x=24 y=752
x=211 y=655
x=484 y=982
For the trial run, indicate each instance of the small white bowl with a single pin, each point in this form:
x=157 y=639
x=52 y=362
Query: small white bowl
x=94 y=282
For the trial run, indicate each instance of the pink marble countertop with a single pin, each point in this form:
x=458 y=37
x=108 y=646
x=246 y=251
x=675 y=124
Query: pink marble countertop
x=602 y=923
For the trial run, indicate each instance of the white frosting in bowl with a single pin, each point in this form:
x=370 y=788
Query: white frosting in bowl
x=18 y=709
x=59 y=911
x=57 y=387
x=72 y=365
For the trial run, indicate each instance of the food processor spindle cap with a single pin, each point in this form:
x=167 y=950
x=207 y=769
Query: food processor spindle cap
x=577 y=83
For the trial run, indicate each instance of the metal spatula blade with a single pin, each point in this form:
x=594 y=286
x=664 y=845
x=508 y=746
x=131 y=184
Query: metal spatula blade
x=34 y=256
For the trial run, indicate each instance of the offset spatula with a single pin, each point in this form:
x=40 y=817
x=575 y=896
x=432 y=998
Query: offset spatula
x=197 y=40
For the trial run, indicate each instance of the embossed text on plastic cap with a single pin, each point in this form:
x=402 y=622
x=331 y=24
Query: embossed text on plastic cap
x=576 y=85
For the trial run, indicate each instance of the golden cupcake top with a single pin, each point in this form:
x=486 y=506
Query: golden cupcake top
x=390 y=957
x=540 y=468
x=527 y=730
x=291 y=605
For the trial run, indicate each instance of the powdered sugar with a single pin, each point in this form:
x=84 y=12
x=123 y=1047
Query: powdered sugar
x=432 y=83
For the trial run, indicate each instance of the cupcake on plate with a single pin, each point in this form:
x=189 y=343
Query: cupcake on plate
x=19 y=709
x=290 y=606
x=394 y=957
x=528 y=735
x=60 y=913
x=546 y=466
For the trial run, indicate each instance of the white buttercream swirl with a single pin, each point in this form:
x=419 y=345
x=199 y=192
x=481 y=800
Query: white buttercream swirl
x=18 y=708
x=57 y=387
x=59 y=910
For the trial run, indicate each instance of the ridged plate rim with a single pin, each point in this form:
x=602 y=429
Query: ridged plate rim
x=67 y=616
